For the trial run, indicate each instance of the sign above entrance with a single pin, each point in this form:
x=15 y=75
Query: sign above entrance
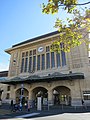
x=40 y=49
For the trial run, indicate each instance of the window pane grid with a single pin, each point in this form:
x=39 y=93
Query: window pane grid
x=58 y=59
x=47 y=60
x=52 y=60
x=43 y=62
x=30 y=62
x=34 y=63
x=38 y=62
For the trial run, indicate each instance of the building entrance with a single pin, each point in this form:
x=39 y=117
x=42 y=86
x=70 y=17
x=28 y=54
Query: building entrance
x=23 y=96
x=40 y=92
x=62 y=95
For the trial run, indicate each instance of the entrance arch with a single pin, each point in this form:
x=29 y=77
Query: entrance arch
x=40 y=92
x=24 y=96
x=62 y=95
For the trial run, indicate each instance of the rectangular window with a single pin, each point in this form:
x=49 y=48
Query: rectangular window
x=8 y=88
x=34 y=63
x=30 y=53
x=47 y=49
x=22 y=65
x=23 y=54
x=26 y=54
x=63 y=57
x=47 y=60
x=34 y=52
x=30 y=64
x=58 y=59
x=86 y=95
x=26 y=64
x=52 y=60
x=8 y=96
x=38 y=62
x=43 y=62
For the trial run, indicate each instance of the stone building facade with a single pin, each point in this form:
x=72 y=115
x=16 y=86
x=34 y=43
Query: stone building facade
x=4 y=88
x=59 y=78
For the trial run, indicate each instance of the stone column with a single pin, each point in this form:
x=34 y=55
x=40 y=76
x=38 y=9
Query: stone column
x=12 y=94
x=76 y=98
x=30 y=99
x=50 y=97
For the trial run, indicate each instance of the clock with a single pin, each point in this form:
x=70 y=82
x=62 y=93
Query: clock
x=40 y=49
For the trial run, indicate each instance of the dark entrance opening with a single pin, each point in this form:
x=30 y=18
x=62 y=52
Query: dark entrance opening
x=62 y=96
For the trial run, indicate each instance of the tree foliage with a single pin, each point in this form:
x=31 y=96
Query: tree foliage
x=71 y=34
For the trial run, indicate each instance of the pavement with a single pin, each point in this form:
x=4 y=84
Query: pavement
x=53 y=113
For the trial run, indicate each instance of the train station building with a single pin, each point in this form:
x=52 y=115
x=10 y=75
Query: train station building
x=59 y=78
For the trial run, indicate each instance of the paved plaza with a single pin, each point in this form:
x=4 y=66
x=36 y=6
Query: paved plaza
x=54 y=113
x=64 y=116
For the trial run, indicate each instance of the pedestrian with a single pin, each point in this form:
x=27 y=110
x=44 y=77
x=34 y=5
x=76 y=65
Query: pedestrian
x=12 y=105
x=83 y=104
x=28 y=106
x=20 y=106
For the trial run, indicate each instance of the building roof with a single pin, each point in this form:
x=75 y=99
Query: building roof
x=36 y=38
x=51 y=77
x=3 y=73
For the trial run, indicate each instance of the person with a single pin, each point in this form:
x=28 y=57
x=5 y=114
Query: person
x=28 y=106
x=20 y=106
x=83 y=104
x=11 y=105
x=15 y=107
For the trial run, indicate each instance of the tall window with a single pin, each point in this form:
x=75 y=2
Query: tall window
x=52 y=60
x=22 y=63
x=63 y=57
x=34 y=63
x=30 y=61
x=58 y=59
x=47 y=57
x=38 y=62
x=43 y=62
x=47 y=60
x=26 y=62
x=30 y=64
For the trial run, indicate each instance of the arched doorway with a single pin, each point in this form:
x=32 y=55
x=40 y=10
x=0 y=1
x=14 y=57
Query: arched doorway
x=62 y=95
x=40 y=92
x=24 y=96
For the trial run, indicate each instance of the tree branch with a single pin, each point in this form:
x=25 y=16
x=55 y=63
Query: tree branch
x=77 y=4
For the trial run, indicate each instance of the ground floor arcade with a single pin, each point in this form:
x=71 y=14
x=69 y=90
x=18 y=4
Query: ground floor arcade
x=55 y=89
x=53 y=93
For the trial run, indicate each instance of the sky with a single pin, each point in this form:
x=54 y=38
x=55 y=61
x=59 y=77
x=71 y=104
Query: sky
x=21 y=20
